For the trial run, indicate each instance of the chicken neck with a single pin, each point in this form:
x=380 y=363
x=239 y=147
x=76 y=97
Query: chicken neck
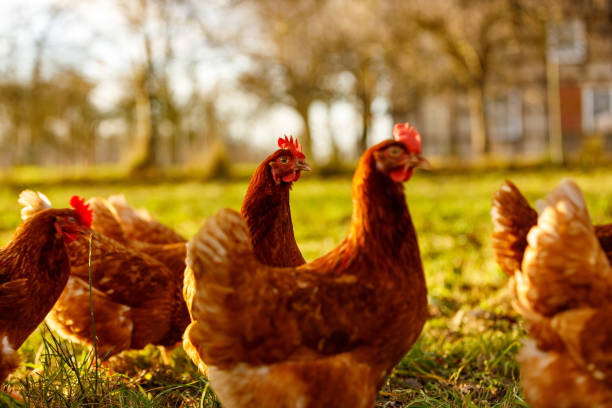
x=380 y=216
x=268 y=216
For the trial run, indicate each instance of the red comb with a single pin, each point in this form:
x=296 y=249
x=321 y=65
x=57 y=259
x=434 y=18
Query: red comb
x=82 y=209
x=408 y=135
x=292 y=145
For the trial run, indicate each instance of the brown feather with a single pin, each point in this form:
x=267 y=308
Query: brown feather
x=140 y=225
x=512 y=219
x=131 y=290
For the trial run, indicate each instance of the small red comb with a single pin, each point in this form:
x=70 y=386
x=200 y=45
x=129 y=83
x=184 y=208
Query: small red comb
x=408 y=135
x=291 y=145
x=85 y=213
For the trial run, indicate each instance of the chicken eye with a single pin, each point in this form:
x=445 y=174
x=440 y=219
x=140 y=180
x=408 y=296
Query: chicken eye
x=284 y=160
x=71 y=219
x=394 y=151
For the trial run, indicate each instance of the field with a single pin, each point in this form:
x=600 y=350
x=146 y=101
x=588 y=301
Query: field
x=464 y=358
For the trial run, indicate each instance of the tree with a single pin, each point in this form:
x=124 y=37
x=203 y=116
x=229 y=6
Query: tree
x=294 y=68
x=475 y=36
x=159 y=25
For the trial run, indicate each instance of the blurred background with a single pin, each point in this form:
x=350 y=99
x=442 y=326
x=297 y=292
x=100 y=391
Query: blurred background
x=160 y=85
x=174 y=103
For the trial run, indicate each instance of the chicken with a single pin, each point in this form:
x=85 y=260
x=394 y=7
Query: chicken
x=129 y=289
x=266 y=211
x=322 y=334
x=266 y=205
x=513 y=218
x=34 y=268
x=564 y=291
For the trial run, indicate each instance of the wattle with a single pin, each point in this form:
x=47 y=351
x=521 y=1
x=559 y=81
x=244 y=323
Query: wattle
x=401 y=175
x=289 y=178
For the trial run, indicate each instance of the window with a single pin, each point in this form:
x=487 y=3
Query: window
x=567 y=42
x=505 y=116
x=597 y=109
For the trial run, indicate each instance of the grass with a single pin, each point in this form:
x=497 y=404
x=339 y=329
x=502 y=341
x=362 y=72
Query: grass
x=465 y=357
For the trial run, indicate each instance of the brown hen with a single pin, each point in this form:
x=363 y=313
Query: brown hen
x=266 y=211
x=563 y=289
x=323 y=334
x=34 y=268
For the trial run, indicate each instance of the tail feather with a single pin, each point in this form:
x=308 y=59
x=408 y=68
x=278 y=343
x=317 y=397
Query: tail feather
x=219 y=258
x=512 y=218
x=123 y=210
x=564 y=266
x=32 y=203
x=220 y=242
x=140 y=225
x=105 y=219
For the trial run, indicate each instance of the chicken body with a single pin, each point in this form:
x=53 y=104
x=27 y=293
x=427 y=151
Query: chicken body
x=34 y=268
x=136 y=299
x=563 y=289
x=326 y=333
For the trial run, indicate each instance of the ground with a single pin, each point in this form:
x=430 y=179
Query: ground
x=464 y=358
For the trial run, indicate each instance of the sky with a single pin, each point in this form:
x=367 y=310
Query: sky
x=94 y=37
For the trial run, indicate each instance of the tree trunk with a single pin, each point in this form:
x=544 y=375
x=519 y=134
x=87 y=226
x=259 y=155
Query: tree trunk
x=146 y=134
x=366 y=121
x=365 y=96
x=306 y=137
x=555 y=134
x=478 y=131
x=451 y=149
x=147 y=116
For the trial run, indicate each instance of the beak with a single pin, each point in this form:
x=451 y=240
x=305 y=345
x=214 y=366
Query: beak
x=303 y=166
x=416 y=160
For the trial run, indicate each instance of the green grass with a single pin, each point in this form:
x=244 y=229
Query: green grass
x=465 y=357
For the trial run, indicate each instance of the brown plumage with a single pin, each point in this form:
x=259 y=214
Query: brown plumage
x=512 y=218
x=321 y=334
x=106 y=221
x=137 y=300
x=563 y=289
x=34 y=268
x=268 y=216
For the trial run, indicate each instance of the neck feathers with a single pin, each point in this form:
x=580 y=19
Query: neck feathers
x=268 y=217
x=39 y=248
x=380 y=214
